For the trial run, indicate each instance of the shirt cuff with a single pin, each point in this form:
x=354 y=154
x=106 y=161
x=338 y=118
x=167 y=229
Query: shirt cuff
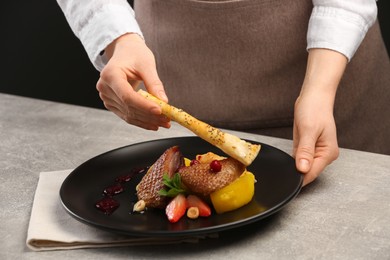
x=336 y=29
x=107 y=24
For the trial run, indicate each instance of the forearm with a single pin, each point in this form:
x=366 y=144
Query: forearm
x=324 y=71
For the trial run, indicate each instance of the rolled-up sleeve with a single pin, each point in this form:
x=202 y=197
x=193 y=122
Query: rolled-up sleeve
x=97 y=23
x=340 y=25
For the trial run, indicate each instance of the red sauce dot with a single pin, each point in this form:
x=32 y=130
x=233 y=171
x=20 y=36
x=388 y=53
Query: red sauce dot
x=113 y=190
x=107 y=205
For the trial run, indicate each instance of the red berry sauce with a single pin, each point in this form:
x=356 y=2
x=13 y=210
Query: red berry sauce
x=108 y=204
x=113 y=190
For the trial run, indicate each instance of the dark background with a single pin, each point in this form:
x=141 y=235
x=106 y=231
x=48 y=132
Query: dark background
x=42 y=58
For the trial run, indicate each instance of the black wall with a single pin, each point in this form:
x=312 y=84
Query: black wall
x=41 y=58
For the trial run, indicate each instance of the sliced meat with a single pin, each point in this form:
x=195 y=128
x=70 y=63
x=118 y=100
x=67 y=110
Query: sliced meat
x=168 y=163
x=200 y=179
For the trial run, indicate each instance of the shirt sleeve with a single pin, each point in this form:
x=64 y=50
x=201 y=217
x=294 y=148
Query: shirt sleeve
x=340 y=25
x=99 y=22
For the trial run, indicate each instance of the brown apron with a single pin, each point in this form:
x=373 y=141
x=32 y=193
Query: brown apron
x=240 y=65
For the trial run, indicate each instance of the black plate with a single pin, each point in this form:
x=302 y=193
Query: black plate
x=278 y=182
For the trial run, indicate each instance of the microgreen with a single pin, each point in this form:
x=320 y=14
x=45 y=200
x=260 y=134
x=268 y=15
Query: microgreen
x=173 y=186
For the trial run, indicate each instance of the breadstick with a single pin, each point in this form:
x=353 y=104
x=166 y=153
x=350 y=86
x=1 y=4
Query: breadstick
x=233 y=146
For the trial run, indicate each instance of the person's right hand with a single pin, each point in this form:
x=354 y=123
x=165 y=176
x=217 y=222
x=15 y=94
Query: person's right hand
x=131 y=61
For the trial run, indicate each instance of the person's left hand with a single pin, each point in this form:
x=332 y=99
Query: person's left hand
x=315 y=138
x=315 y=135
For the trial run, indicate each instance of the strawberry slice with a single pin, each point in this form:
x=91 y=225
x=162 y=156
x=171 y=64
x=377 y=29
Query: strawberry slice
x=195 y=201
x=176 y=208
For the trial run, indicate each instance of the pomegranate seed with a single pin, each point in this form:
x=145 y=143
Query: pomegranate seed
x=215 y=166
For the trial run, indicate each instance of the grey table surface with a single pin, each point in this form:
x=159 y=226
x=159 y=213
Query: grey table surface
x=345 y=214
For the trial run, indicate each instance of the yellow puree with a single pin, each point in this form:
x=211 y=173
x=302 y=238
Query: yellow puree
x=235 y=195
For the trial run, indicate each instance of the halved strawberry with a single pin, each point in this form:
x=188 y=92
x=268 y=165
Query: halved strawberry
x=195 y=201
x=176 y=208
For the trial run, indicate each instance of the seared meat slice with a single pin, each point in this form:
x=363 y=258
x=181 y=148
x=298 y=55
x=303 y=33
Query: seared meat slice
x=168 y=163
x=200 y=179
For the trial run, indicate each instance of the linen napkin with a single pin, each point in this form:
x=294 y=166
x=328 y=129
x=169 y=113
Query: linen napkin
x=52 y=228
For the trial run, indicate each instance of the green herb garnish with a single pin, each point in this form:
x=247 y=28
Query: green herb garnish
x=173 y=186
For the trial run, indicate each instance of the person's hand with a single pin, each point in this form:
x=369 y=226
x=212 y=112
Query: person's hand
x=315 y=138
x=131 y=61
x=314 y=133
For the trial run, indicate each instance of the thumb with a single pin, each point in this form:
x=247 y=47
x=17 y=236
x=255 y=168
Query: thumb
x=304 y=154
x=154 y=85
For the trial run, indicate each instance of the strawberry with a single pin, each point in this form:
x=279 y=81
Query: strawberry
x=176 y=208
x=195 y=201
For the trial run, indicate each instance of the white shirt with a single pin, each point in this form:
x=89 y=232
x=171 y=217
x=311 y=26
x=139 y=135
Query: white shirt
x=339 y=25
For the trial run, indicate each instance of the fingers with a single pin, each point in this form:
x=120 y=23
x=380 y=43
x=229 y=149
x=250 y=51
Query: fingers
x=119 y=97
x=318 y=165
x=304 y=150
x=314 y=152
x=131 y=61
x=152 y=82
x=324 y=156
x=305 y=158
